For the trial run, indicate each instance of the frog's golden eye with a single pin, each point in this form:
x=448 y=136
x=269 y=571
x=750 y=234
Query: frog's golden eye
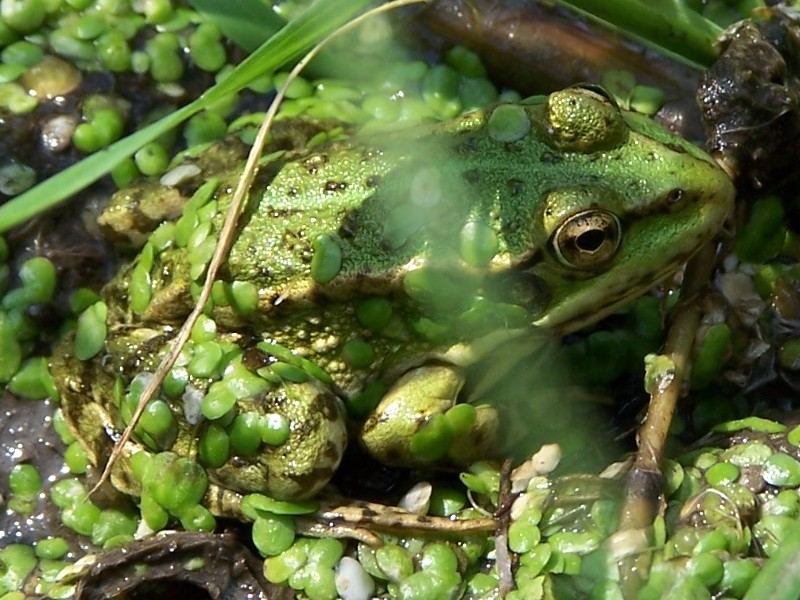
x=588 y=239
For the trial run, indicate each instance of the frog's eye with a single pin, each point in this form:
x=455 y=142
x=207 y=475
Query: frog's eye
x=587 y=240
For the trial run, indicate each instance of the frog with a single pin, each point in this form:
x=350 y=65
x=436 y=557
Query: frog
x=370 y=273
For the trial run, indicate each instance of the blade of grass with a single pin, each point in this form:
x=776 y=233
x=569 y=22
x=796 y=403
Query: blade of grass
x=779 y=578
x=247 y=22
x=668 y=24
x=323 y=17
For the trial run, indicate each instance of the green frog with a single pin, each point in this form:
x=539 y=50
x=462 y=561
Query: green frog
x=369 y=274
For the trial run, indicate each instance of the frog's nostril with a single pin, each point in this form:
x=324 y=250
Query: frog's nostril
x=675 y=196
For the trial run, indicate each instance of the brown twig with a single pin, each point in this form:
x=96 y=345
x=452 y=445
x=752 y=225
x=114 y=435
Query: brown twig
x=644 y=485
x=228 y=234
x=392 y=518
x=502 y=553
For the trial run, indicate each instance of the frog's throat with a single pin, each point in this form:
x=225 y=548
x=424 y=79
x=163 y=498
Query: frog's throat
x=555 y=321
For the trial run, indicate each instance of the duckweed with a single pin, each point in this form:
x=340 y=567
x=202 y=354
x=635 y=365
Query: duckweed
x=440 y=90
x=479 y=243
x=113 y=52
x=275 y=429
x=215 y=446
x=51 y=548
x=81 y=516
x=151 y=159
x=10 y=349
x=509 y=123
x=76 y=459
x=203 y=128
x=358 y=353
x=175 y=483
x=432 y=441
x=273 y=534
x=245 y=433
x=244 y=297
x=289 y=372
x=16 y=562
x=206 y=359
x=23 y=16
x=218 y=401
x=781 y=470
x=111 y=524
x=327 y=259
x=90 y=335
x=22 y=53
x=206 y=49
x=67 y=492
x=198 y=518
x=394 y=562
x=25 y=480
x=38 y=277
x=33 y=380
x=374 y=313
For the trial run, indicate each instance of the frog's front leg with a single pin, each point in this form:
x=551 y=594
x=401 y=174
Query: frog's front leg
x=419 y=421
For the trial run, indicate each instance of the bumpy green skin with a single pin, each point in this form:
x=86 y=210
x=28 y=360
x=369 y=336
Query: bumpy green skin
x=399 y=216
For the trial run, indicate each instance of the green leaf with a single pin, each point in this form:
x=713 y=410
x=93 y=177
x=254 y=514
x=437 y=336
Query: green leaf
x=248 y=23
x=322 y=18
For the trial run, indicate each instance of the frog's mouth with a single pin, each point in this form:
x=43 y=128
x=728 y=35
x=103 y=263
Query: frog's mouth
x=654 y=249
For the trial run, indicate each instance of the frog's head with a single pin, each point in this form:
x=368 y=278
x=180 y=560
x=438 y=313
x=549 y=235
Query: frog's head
x=625 y=204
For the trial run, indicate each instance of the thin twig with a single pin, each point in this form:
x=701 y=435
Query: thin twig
x=228 y=233
x=502 y=553
x=645 y=482
x=369 y=515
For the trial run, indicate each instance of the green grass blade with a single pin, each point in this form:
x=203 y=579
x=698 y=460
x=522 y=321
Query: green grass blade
x=668 y=24
x=779 y=578
x=247 y=22
x=323 y=17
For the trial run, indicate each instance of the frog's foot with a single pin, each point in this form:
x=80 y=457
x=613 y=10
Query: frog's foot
x=305 y=462
x=281 y=437
x=420 y=423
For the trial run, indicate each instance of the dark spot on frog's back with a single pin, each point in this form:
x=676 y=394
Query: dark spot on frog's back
x=373 y=181
x=549 y=157
x=253 y=359
x=515 y=187
x=315 y=162
x=468 y=146
x=334 y=186
x=349 y=225
x=325 y=408
x=472 y=176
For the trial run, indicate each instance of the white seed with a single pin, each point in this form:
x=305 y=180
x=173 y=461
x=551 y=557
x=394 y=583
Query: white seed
x=192 y=398
x=352 y=581
x=179 y=174
x=57 y=132
x=417 y=500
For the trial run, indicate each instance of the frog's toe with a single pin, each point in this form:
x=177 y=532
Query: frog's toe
x=419 y=422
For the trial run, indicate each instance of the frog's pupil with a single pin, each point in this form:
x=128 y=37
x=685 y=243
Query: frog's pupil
x=591 y=241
